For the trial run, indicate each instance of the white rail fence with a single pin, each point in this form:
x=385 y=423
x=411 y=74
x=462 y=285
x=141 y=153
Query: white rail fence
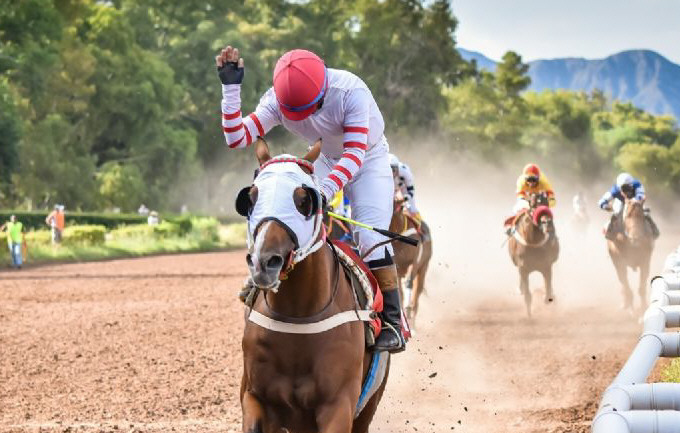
x=630 y=405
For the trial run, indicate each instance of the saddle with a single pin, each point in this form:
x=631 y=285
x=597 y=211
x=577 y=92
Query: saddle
x=512 y=220
x=535 y=216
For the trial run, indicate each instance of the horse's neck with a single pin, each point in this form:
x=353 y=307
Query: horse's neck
x=532 y=233
x=308 y=288
x=634 y=224
x=397 y=223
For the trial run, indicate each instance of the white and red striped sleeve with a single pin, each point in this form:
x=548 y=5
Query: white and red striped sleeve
x=355 y=142
x=240 y=131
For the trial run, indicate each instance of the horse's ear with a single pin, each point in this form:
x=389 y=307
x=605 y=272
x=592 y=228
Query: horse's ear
x=245 y=200
x=262 y=151
x=314 y=151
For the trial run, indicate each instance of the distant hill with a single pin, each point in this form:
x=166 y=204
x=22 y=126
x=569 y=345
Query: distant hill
x=643 y=77
x=483 y=62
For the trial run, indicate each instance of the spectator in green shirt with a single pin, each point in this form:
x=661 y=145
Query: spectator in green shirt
x=14 y=239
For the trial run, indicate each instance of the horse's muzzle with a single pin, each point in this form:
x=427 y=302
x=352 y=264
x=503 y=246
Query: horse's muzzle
x=265 y=269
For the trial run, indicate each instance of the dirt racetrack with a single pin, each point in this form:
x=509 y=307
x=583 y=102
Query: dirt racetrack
x=153 y=344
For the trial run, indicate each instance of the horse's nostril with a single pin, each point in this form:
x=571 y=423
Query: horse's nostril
x=275 y=262
x=249 y=260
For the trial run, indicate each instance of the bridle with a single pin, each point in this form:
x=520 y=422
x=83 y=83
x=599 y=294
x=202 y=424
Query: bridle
x=318 y=237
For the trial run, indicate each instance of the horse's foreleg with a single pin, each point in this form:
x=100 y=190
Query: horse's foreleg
x=253 y=413
x=336 y=417
x=419 y=287
x=407 y=287
x=524 y=288
x=644 y=274
x=547 y=277
x=622 y=274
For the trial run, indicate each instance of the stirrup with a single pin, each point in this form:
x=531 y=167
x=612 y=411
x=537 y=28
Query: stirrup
x=392 y=349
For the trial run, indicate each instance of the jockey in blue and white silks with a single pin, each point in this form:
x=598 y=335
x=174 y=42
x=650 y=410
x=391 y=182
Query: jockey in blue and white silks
x=626 y=187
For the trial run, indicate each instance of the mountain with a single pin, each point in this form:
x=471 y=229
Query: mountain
x=483 y=62
x=643 y=77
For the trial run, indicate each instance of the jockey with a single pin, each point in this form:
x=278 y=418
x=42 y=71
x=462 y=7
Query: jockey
x=403 y=182
x=338 y=205
x=530 y=182
x=579 y=204
x=626 y=186
x=316 y=102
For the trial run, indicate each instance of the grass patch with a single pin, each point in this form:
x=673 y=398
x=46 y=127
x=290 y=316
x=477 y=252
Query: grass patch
x=672 y=372
x=201 y=238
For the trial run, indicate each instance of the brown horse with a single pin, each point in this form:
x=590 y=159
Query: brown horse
x=412 y=262
x=534 y=247
x=632 y=249
x=295 y=381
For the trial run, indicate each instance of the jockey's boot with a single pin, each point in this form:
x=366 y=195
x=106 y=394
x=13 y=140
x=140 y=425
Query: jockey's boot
x=390 y=338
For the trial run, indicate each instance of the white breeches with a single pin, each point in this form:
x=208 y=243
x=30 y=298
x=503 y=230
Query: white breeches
x=371 y=195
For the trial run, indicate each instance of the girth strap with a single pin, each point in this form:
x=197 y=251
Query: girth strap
x=519 y=238
x=310 y=328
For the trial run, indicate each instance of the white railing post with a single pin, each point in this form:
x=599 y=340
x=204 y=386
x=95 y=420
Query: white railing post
x=629 y=405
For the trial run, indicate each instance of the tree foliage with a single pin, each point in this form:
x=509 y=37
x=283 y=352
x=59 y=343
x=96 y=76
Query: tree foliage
x=107 y=104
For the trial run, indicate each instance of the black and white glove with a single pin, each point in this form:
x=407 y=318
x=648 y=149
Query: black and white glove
x=230 y=73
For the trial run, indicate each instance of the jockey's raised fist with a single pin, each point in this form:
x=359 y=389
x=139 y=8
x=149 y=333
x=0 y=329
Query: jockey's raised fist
x=229 y=66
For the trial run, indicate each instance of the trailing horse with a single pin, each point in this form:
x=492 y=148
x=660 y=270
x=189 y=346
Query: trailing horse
x=533 y=246
x=632 y=248
x=412 y=263
x=306 y=364
x=337 y=229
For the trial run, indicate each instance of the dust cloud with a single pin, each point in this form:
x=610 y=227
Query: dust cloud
x=465 y=201
x=498 y=371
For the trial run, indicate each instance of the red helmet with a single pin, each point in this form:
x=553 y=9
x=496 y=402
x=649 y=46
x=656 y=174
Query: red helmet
x=300 y=82
x=532 y=170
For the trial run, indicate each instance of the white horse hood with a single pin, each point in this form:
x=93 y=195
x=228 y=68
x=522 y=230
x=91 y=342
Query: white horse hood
x=275 y=186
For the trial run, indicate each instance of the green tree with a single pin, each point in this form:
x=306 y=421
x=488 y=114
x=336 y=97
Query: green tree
x=511 y=75
x=560 y=128
x=405 y=53
x=120 y=186
x=55 y=166
x=10 y=133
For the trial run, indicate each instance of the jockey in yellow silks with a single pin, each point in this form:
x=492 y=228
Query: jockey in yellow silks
x=532 y=181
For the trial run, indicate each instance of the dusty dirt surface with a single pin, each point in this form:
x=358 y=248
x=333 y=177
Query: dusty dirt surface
x=153 y=344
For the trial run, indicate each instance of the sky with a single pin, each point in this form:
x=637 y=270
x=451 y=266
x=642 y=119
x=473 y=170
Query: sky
x=543 y=29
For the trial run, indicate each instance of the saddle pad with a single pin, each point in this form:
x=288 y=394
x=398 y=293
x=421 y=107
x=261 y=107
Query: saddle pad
x=373 y=380
x=367 y=284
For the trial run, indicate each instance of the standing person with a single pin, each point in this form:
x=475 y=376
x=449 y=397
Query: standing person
x=14 y=240
x=56 y=221
x=153 y=219
x=316 y=102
